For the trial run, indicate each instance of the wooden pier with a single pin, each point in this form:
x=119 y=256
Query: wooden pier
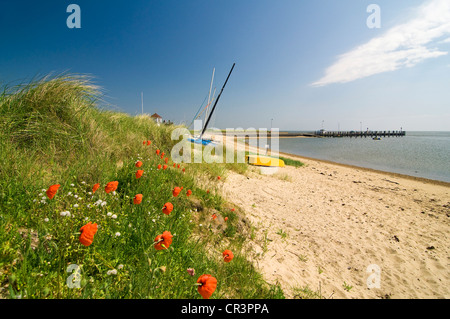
x=372 y=134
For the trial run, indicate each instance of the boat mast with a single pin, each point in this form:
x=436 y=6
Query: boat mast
x=217 y=100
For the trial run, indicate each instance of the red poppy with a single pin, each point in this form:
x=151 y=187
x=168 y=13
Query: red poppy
x=232 y=209
x=51 y=191
x=184 y=169
x=143 y=143
x=159 y=166
x=179 y=166
x=227 y=256
x=218 y=177
x=214 y=216
x=138 y=164
x=137 y=199
x=174 y=165
x=166 y=160
x=207 y=192
x=226 y=218
x=207 y=285
x=168 y=208
x=149 y=142
x=139 y=173
x=96 y=186
x=157 y=152
x=87 y=234
x=162 y=154
x=165 y=166
x=163 y=241
x=176 y=191
x=111 y=186
x=188 y=193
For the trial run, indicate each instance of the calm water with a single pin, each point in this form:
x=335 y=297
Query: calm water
x=421 y=154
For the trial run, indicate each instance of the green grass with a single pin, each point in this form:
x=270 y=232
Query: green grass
x=52 y=132
x=292 y=162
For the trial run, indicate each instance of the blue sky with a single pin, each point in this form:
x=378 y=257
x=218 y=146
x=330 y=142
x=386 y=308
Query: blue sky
x=300 y=63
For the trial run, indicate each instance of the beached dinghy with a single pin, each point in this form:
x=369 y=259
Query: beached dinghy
x=260 y=160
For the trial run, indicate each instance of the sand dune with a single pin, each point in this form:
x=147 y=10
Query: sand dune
x=326 y=225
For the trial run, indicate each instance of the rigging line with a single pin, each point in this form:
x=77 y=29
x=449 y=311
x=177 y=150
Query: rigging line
x=195 y=117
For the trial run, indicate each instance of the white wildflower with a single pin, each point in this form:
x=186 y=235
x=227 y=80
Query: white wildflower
x=114 y=216
x=76 y=196
x=109 y=214
x=75 y=206
x=112 y=272
x=69 y=193
x=72 y=185
x=46 y=220
x=117 y=234
x=120 y=266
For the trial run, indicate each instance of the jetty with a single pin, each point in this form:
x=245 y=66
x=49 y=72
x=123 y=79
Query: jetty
x=371 y=134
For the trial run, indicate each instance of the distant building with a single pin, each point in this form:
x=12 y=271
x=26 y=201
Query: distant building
x=156 y=118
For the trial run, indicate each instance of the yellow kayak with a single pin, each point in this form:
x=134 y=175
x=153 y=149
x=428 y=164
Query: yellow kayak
x=260 y=160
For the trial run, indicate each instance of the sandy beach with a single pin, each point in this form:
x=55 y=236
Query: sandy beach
x=347 y=232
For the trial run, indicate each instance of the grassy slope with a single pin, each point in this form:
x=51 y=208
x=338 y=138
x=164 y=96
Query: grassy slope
x=51 y=132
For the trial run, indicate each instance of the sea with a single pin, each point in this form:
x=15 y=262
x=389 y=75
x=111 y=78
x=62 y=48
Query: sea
x=420 y=154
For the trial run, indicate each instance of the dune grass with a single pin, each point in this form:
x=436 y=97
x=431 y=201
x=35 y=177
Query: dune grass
x=52 y=132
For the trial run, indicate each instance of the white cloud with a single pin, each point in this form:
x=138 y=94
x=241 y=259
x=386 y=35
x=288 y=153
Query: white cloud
x=404 y=45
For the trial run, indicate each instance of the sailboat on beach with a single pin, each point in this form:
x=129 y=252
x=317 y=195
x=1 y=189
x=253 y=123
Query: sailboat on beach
x=199 y=138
